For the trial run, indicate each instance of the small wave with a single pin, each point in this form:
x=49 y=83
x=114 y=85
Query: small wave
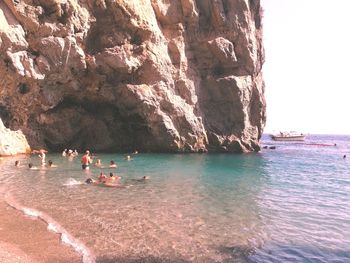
x=53 y=226
x=71 y=182
x=30 y=212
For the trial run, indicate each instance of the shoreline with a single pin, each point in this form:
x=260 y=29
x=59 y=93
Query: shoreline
x=23 y=239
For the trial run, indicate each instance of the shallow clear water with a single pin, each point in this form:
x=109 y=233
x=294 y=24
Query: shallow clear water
x=290 y=204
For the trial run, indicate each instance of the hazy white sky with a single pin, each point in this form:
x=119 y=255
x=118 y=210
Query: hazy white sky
x=307 y=67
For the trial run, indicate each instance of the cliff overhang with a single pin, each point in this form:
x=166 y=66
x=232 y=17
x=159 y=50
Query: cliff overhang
x=156 y=75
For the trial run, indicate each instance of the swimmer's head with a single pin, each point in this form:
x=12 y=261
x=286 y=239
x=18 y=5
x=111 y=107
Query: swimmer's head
x=16 y=163
x=89 y=181
x=30 y=165
x=111 y=174
x=50 y=162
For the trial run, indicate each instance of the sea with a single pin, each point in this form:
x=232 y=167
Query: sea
x=288 y=203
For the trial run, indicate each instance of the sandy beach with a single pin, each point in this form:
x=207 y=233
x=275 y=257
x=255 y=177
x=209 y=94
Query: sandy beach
x=23 y=239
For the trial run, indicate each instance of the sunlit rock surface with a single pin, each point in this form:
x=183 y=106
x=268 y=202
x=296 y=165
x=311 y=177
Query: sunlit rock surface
x=12 y=142
x=152 y=75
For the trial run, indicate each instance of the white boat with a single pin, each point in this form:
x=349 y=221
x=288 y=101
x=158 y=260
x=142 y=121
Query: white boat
x=288 y=136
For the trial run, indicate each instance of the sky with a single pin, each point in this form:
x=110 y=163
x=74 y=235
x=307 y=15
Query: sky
x=307 y=65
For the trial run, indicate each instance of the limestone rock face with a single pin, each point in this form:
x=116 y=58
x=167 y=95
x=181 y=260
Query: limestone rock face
x=117 y=75
x=12 y=142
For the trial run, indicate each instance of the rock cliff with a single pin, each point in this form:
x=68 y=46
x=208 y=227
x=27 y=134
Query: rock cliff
x=116 y=75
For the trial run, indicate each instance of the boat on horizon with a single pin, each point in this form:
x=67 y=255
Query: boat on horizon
x=288 y=136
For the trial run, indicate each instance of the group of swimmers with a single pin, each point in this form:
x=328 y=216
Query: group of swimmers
x=32 y=167
x=70 y=153
x=86 y=161
x=42 y=156
x=112 y=180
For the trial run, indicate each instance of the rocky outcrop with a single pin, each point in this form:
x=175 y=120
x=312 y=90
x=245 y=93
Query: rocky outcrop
x=152 y=75
x=12 y=142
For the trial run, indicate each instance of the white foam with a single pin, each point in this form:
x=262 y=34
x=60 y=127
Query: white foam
x=65 y=237
x=52 y=227
x=30 y=212
x=71 y=182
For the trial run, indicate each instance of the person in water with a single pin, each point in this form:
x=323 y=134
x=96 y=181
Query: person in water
x=142 y=179
x=128 y=158
x=102 y=178
x=112 y=164
x=86 y=160
x=114 y=178
x=17 y=163
x=51 y=165
x=31 y=167
x=98 y=163
x=42 y=155
x=64 y=153
x=90 y=181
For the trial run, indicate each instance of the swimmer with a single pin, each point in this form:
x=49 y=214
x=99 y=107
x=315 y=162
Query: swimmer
x=113 y=178
x=17 y=163
x=135 y=152
x=90 y=181
x=112 y=164
x=142 y=179
x=98 y=163
x=51 y=165
x=344 y=157
x=42 y=156
x=86 y=160
x=64 y=153
x=75 y=153
x=31 y=167
x=102 y=178
x=128 y=158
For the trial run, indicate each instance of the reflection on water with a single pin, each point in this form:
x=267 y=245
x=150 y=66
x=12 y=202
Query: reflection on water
x=283 y=205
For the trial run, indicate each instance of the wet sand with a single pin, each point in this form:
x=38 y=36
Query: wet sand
x=23 y=239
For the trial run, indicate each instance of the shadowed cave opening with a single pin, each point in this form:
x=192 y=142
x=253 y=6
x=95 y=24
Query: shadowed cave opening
x=94 y=125
x=5 y=116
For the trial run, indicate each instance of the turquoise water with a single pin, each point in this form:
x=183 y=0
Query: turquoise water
x=290 y=204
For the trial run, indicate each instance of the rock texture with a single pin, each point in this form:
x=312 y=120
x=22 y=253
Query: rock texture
x=12 y=142
x=152 y=75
